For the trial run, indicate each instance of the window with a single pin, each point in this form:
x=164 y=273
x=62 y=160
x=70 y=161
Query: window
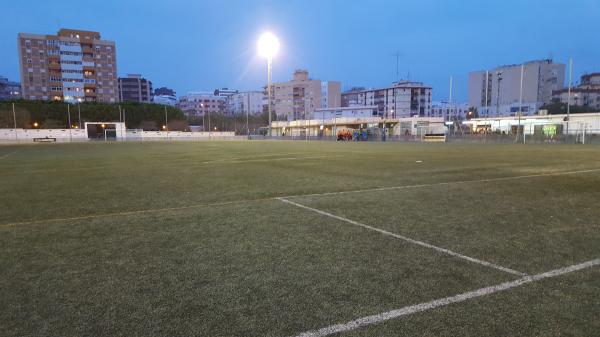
x=29 y=61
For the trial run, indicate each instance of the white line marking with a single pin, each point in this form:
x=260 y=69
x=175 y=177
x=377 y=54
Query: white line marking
x=386 y=316
x=295 y=196
x=236 y=161
x=7 y=154
x=407 y=239
x=250 y=157
x=444 y=183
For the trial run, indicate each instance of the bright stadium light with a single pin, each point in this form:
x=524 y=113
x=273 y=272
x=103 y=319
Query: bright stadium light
x=268 y=46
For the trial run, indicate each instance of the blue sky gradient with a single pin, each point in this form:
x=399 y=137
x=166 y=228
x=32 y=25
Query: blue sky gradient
x=203 y=45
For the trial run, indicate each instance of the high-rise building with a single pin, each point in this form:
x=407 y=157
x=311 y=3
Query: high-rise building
x=9 y=89
x=497 y=92
x=247 y=102
x=298 y=98
x=135 y=88
x=402 y=99
x=71 y=66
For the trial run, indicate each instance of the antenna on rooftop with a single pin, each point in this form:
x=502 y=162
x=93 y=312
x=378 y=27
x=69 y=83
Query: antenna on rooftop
x=397 y=54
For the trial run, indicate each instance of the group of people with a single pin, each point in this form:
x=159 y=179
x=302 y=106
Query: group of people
x=356 y=135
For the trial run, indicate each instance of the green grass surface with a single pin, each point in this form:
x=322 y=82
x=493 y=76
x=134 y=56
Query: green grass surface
x=187 y=239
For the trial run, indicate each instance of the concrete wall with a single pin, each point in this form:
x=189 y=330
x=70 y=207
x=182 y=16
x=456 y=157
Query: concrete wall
x=79 y=135
x=27 y=135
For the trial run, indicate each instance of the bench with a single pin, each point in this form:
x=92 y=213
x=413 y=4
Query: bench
x=434 y=138
x=44 y=140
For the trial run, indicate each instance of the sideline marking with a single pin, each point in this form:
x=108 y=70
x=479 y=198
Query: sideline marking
x=152 y=210
x=408 y=310
x=407 y=239
x=7 y=154
x=444 y=183
x=293 y=196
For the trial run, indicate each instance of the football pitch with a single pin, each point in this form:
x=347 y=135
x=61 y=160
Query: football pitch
x=282 y=238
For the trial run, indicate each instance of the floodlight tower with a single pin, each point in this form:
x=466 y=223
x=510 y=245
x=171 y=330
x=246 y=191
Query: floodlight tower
x=268 y=46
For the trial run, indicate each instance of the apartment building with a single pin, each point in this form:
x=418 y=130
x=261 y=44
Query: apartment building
x=402 y=99
x=9 y=89
x=135 y=88
x=198 y=104
x=71 y=66
x=247 y=102
x=298 y=98
x=450 y=111
x=586 y=94
x=496 y=92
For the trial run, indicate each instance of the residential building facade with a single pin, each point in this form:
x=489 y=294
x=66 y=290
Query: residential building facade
x=497 y=92
x=135 y=88
x=325 y=114
x=9 y=89
x=247 y=102
x=586 y=94
x=71 y=66
x=450 y=111
x=331 y=94
x=402 y=99
x=298 y=98
x=198 y=104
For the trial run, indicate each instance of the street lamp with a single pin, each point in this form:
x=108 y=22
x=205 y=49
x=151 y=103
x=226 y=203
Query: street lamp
x=499 y=78
x=268 y=46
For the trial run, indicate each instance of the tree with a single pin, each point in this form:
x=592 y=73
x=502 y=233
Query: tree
x=148 y=126
x=178 y=125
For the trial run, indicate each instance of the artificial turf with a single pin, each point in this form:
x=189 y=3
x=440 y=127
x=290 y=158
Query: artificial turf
x=180 y=239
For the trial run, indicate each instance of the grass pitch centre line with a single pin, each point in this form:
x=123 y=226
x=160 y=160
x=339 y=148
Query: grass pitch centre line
x=445 y=183
x=397 y=313
x=92 y=216
x=407 y=239
x=4 y=156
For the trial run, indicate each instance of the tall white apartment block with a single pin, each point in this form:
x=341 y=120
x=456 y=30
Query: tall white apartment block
x=497 y=92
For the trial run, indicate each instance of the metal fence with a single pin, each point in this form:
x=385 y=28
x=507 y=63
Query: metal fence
x=589 y=137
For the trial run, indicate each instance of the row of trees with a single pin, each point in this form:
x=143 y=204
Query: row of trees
x=48 y=114
x=53 y=115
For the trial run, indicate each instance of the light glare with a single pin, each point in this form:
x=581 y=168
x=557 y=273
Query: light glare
x=268 y=45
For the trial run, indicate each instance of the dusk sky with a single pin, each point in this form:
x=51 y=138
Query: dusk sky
x=204 y=45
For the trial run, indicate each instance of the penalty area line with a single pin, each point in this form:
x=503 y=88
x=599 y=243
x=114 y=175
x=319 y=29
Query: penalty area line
x=412 y=309
x=375 y=189
x=4 y=156
x=407 y=239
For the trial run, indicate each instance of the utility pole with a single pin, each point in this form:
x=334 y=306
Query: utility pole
x=79 y=112
x=397 y=54
x=487 y=75
x=569 y=93
x=69 y=117
x=247 y=118
x=166 y=122
x=521 y=105
x=15 y=121
x=269 y=85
